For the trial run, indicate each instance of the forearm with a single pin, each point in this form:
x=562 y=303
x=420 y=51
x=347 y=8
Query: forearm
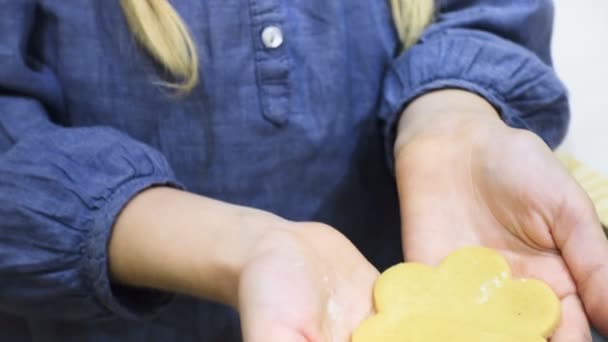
x=175 y=241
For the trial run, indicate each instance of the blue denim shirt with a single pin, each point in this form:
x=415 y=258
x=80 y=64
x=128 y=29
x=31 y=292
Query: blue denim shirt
x=303 y=130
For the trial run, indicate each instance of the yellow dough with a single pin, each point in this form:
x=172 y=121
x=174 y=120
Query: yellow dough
x=470 y=297
x=594 y=183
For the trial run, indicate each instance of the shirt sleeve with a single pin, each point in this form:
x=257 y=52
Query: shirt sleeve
x=60 y=192
x=497 y=49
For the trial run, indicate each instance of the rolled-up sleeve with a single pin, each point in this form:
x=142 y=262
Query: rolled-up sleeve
x=497 y=49
x=60 y=192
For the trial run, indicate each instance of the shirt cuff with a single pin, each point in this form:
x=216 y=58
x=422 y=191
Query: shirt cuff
x=526 y=92
x=125 y=302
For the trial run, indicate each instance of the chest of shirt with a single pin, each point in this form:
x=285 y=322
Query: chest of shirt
x=300 y=73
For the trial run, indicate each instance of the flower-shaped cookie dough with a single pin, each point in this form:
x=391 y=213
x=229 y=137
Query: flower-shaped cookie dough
x=470 y=297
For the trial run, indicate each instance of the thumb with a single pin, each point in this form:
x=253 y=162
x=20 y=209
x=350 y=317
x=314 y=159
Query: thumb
x=427 y=221
x=584 y=247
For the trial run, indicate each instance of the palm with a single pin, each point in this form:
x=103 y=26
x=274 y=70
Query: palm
x=313 y=285
x=509 y=194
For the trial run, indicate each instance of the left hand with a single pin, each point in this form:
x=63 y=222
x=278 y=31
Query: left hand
x=465 y=178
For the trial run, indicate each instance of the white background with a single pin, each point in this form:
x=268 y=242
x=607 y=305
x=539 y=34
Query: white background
x=580 y=54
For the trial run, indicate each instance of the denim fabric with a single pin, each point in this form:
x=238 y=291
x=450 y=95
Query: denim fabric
x=302 y=130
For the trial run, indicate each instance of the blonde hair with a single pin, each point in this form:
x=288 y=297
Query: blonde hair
x=411 y=17
x=161 y=31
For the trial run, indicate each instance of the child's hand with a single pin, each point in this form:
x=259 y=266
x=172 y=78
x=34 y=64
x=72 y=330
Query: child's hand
x=465 y=179
x=291 y=282
x=306 y=284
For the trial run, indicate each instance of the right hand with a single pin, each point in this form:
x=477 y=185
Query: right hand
x=291 y=282
x=305 y=284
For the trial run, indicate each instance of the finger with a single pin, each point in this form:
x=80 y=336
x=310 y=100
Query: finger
x=269 y=313
x=573 y=324
x=262 y=324
x=549 y=268
x=579 y=236
x=272 y=333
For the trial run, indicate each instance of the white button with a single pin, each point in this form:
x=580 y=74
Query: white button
x=272 y=37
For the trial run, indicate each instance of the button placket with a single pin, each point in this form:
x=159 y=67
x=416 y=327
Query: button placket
x=271 y=59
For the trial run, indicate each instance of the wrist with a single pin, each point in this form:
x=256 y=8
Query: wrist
x=179 y=242
x=448 y=113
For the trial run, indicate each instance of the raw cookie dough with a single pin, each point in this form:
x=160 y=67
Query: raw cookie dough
x=594 y=183
x=470 y=297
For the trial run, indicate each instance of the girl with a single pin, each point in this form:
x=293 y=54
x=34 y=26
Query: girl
x=190 y=170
